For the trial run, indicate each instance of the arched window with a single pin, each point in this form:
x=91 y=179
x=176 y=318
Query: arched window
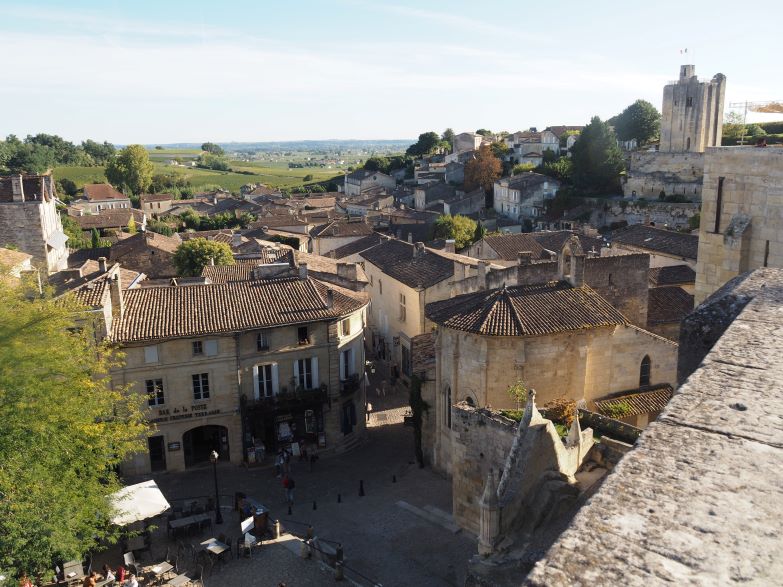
x=688 y=144
x=644 y=372
x=447 y=406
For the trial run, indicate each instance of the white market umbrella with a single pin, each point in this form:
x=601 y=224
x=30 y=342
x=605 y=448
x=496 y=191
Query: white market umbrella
x=138 y=502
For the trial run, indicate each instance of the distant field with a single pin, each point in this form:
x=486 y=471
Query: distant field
x=271 y=175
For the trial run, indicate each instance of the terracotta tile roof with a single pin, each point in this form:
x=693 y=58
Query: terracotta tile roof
x=194 y=310
x=341 y=229
x=554 y=240
x=508 y=246
x=102 y=191
x=277 y=221
x=423 y=352
x=637 y=401
x=396 y=259
x=144 y=240
x=671 y=275
x=526 y=310
x=356 y=246
x=92 y=287
x=10 y=258
x=265 y=255
x=658 y=240
x=112 y=218
x=668 y=304
x=155 y=197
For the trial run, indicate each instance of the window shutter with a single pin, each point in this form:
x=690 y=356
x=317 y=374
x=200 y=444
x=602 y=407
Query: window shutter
x=275 y=380
x=151 y=354
x=256 y=390
x=316 y=382
x=210 y=348
x=342 y=366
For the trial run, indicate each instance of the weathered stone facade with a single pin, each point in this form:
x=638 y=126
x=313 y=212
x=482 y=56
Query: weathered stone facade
x=742 y=215
x=652 y=172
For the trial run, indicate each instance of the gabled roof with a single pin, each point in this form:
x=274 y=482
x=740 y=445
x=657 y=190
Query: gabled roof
x=9 y=258
x=528 y=179
x=677 y=244
x=668 y=304
x=396 y=259
x=89 y=284
x=145 y=240
x=156 y=198
x=356 y=246
x=339 y=228
x=361 y=174
x=111 y=218
x=508 y=246
x=194 y=310
x=636 y=401
x=671 y=275
x=102 y=191
x=526 y=310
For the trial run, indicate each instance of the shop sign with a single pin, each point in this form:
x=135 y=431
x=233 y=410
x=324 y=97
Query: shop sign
x=183 y=413
x=174 y=446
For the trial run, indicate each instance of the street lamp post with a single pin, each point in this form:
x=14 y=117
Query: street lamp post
x=214 y=458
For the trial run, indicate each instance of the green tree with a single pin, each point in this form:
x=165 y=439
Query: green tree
x=95 y=238
x=561 y=169
x=73 y=231
x=131 y=167
x=479 y=232
x=640 y=121
x=212 y=148
x=499 y=149
x=457 y=227
x=448 y=137
x=191 y=219
x=518 y=392
x=66 y=189
x=483 y=170
x=484 y=132
x=377 y=164
x=427 y=143
x=193 y=255
x=101 y=153
x=132 y=225
x=523 y=168
x=160 y=227
x=597 y=160
x=214 y=162
x=65 y=429
x=308 y=177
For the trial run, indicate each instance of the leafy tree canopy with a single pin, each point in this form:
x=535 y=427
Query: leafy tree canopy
x=483 y=170
x=427 y=143
x=131 y=167
x=448 y=137
x=212 y=148
x=597 y=160
x=193 y=255
x=484 y=132
x=460 y=228
x=212 y=161
x=65 y=428
x=560 y=169
x=640 y=121
x=101 y=153
x=377 y=164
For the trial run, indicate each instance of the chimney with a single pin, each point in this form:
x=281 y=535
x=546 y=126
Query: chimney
x=418 y=250
x=524 y=258
x=117 y=299
x=347 y=271
x=330 y=298
x=212 y=261
x=483 y=267
x=450 y=247
x=17 y=189
x=303 y=271
x=236 y=239
x=102 y=265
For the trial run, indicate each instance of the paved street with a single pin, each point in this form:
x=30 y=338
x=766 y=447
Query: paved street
x=391 y=545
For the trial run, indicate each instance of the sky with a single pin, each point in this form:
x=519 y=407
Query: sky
x=165 y=72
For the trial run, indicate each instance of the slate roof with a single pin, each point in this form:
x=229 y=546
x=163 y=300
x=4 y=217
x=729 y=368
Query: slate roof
x=668 y=304
x=356 y=246
x=508 y=246
x=638 y=401
x=102 y=191
x=555 y=240
x=527 y=179
x=678 y=244
x=671 y=275
x=526 y=310
x=341 y=229
x=395 y=258
x=437 y=191
x=195 y=310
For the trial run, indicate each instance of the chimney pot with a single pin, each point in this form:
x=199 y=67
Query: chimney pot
x=302 y=271
x=450 y=246
x=329 y=298
x=524 y=258
x=102 y=264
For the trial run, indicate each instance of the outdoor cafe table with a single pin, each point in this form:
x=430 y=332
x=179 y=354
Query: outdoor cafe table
x=178 y=581
x=215 y=547
x=161 y=569
x=73 y=571
x=189 y=521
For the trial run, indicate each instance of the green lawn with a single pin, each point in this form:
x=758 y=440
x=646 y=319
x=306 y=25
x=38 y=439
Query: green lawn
x=271 y=175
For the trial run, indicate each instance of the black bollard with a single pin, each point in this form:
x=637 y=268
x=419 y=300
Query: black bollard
x=339 y=498
x=289 y=509
x=361 y=488
x=315 y=505
x=394 y=478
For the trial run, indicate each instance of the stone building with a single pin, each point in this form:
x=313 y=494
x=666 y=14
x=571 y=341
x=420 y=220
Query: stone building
x=665 y=247
x=524 y=195
x=559 y=337
x=147 y=252
x=241 y=365
x=691 y=121
x=362 y=180
x=741 y=219
x=29 y=220
x=101 y=196
x=333 y=235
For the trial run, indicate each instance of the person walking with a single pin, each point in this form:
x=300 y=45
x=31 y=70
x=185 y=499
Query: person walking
x=285 y=485
x=289 y=491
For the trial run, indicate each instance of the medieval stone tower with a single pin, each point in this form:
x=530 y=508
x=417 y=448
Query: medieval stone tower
x=692 y=114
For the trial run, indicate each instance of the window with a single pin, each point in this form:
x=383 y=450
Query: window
x=154 y=389
x=719 y=204
x=766 y=254
x=447 y=406
x=345 y=326
x=403 y=313
x=371 y=280
x=306 y=373
x=210 y=348
x=266 y=380
x=406 y=360
x=346 y=364
x=688 y=101
x=262 y=341
x=201 y=386
x=151 y=354
x=302 y=335
x=644 y=372
x=198 y=348
x=380 y=287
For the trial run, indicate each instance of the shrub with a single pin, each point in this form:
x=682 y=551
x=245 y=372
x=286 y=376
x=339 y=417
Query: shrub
x=561 y=411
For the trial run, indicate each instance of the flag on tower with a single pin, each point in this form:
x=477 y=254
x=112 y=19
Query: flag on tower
x=683 y=51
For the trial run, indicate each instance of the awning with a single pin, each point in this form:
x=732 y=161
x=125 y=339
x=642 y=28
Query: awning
x=57 y=240
x=138 y=502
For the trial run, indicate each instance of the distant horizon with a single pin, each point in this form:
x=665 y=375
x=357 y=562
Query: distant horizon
x=148 y=71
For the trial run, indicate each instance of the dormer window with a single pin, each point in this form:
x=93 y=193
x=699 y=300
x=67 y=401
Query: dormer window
x=303 y=335
x=262 y=341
